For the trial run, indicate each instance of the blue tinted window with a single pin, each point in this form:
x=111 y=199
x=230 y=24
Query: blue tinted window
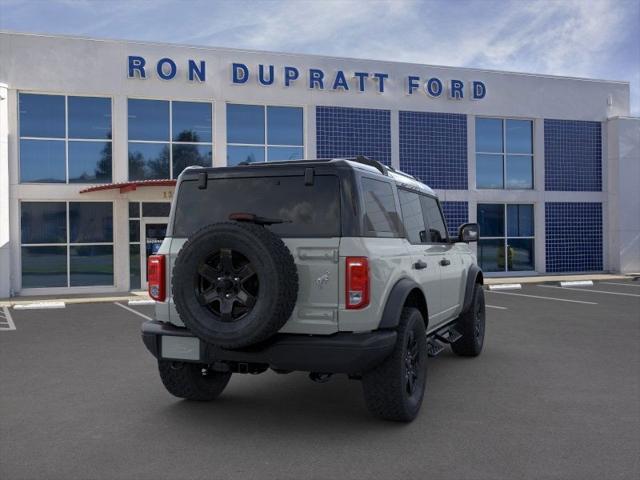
x=90 y=222
x=44 y=267
x=520 y=254
x=134 y=210
x=284 y=126
x=41 y=115
x=236 y=154
x=489 y=171
x=491 y=255
x=134 y=230
x=42 y=161
x=91 y=265
x=148 y=160
x=520 y=220
x=489 y=135
x=185 y=155
x=148 y=120
x=156 y=209
x=89 y=117
x=191 y=122
x=134 y=266
x=245 y=124
x=89 y=162
x=519 y=171
x=519 y=136
x=43 y=222
x=284 y=153
x=491 y=220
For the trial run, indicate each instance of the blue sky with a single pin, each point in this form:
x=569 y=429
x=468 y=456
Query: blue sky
x=583 y=38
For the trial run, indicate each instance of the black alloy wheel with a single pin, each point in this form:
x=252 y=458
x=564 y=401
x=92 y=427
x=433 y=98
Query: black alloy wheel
x=227 y=284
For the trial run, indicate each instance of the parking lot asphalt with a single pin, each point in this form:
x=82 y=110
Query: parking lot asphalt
x=555 y=394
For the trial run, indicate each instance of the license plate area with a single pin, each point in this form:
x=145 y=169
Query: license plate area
x=180 y=348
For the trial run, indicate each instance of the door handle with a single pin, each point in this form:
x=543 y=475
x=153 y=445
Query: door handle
x=419 y=265
x=444 y=262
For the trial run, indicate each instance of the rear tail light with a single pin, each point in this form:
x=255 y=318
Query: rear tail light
x=357 y=282
x=155 y=277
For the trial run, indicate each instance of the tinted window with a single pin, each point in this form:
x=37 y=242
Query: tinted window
x=148 y=160
x=520 y=220
x=134 y=210
x=245 y=124
x=489 y=171
x=437 y=229
x=91 y=265
x=489 y=135
x=89 y=117
x=284 y=126
x=187 y=155
x=43 y=222
x=519 y=171
x=284 y=153
x=191 y=122
x=412 y=216
x=519 y=136
x=89 y=162
x=491 y=219
x=90 y=222
x=237 y=154
x=44 y=267
x=148 y=120
x=42 y=161
x=42 y=116
x=156 y=209
x=380 y=207
x=310 y=210
x=134 y=267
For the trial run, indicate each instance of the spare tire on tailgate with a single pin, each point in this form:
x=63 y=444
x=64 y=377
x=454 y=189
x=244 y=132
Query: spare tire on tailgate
x=234 y=284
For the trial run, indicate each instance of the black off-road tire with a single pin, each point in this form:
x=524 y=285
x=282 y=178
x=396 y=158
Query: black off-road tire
x=386 y=391
x=471 y=325
x=274 y=268
x=192 y=381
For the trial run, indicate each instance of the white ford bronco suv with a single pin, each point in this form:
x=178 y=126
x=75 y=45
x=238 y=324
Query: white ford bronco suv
x=324 y=266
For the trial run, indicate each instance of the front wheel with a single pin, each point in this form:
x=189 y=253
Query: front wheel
x=471 y=326
x=193 y=381
x=394 y=390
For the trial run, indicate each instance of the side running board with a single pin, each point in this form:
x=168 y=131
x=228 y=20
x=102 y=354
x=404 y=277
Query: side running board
x=437 y=340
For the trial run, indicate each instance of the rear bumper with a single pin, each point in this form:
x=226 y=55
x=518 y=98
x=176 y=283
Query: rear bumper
x=344 y=352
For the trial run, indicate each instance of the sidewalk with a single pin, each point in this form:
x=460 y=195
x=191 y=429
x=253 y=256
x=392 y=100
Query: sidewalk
x=142 y=295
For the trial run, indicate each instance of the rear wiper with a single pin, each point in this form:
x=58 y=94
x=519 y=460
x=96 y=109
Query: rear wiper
x=253 y=218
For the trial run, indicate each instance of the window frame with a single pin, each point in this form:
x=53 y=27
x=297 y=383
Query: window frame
x=66 y=139
x=504 y=154
x=506 y=236
x=266 y=145
x=169 y=141
x=67 y=244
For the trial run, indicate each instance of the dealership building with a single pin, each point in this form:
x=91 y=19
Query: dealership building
x=93 y=134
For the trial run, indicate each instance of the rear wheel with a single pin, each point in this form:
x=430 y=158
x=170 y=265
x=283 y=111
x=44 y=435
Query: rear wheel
x=193 y=381
x=394 y=390
x=471 y=326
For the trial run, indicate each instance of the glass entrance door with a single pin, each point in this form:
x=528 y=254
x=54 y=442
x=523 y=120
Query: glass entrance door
x=153 y=233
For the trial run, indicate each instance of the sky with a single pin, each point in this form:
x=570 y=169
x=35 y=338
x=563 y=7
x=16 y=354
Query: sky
x=579 y=38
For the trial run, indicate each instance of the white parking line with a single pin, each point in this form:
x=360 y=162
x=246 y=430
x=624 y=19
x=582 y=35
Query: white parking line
x=38 y=305
x=544 y=298
x=6 y=322
x=141 y=302
x=622 y=284
x=591 y=290
x=495 y=306
x=133 y=311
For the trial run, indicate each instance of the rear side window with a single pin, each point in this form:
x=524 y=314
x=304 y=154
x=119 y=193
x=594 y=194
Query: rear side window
x=437 y=230
x=307 y=210
x=380 y=214
x=412 y=216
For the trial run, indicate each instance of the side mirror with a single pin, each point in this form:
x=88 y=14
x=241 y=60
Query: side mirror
x=469 y=232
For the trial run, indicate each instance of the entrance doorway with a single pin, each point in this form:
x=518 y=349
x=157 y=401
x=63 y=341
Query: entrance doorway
x=152 y=233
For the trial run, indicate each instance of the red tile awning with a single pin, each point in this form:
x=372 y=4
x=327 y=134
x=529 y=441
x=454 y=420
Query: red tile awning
x=125 y=187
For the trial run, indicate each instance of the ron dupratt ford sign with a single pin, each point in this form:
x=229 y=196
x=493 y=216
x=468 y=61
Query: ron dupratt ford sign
x=313 y=78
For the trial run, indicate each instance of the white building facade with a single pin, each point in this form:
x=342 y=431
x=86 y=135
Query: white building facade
x=94 y=132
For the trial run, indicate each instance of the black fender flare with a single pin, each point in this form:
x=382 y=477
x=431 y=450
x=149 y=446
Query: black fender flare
x=396 y=301
x=473 y=276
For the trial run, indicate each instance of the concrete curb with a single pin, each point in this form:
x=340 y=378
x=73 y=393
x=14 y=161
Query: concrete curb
x=70 y=301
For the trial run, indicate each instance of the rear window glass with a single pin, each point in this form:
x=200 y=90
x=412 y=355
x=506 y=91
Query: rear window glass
x=308 y=210
x=380 y=216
